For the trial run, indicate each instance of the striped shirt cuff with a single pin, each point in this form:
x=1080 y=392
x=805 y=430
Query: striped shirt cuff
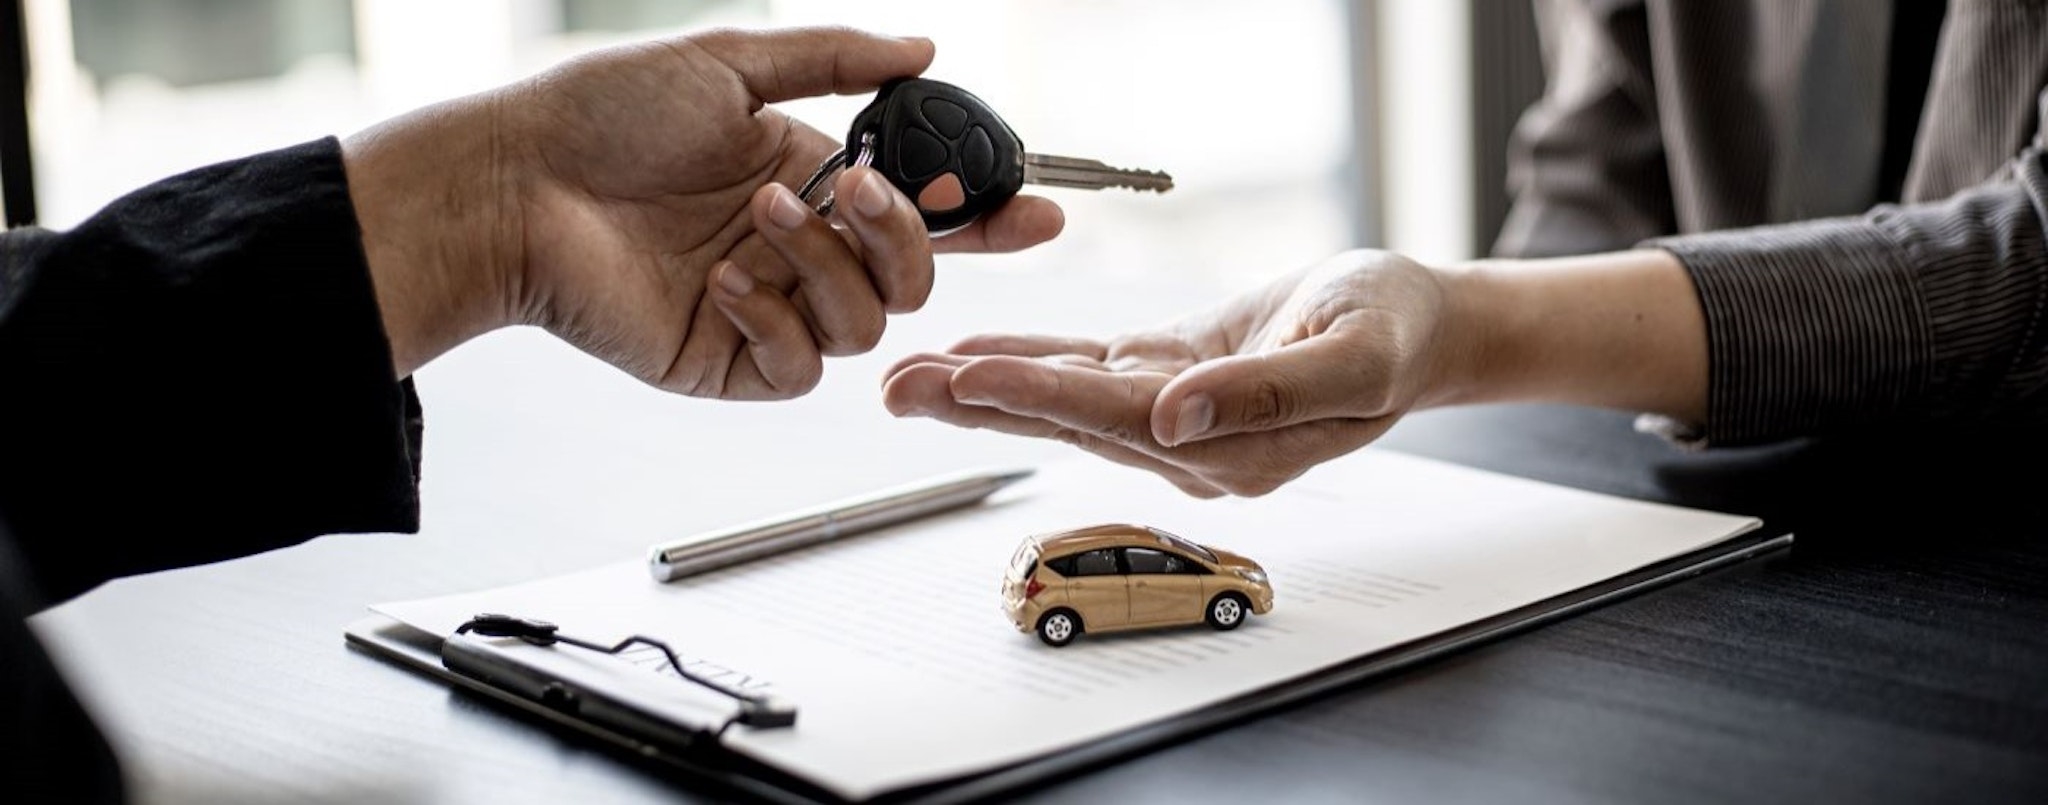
x=1811 y=327
x=1930 y=313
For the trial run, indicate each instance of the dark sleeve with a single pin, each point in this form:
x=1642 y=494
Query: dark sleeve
x=50 y=748
x=196 y=373
x=1925 y=314
x=1586 y=162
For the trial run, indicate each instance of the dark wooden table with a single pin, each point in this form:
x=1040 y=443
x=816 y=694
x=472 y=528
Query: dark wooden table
x=1897 y=653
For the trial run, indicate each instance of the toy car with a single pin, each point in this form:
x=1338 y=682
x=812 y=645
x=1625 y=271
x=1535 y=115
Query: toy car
x=1117 y=576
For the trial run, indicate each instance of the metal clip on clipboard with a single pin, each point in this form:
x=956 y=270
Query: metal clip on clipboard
x=473 y=659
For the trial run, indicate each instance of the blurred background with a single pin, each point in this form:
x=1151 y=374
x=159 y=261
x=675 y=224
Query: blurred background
x=1294 y=128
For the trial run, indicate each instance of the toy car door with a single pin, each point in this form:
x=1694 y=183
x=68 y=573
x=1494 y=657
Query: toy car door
x=1165 y=588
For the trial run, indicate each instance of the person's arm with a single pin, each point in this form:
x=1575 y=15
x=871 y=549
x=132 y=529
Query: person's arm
x=1932 y=314
x=637 y=202
x=1622 y=330
x=196 y=372
x=1245 y=397
x=218 y=364
x=1929 y=315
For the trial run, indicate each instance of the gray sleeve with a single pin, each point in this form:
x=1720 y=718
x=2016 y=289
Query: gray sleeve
x=1586 y=162
x=1924 y=314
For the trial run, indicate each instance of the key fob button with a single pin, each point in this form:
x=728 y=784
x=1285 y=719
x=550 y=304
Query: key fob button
x=978 y=160
x=942 y=195
x=919 y=154
x=945 y=116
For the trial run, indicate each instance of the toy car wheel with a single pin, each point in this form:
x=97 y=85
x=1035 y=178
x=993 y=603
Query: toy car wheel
x=1226 y=611
x=1059 y=627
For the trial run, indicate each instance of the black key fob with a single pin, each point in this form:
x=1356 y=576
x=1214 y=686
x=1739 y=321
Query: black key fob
x=942 y=146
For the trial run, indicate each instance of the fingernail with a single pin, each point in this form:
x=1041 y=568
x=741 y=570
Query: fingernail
x=1197 y=413
x=735 y=281
x=872 y=196
x=785 y=211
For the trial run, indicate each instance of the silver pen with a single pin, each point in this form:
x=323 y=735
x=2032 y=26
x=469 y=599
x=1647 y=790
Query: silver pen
x=749 y=541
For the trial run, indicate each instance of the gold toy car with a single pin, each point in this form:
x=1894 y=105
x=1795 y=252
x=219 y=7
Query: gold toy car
x=1117 y=576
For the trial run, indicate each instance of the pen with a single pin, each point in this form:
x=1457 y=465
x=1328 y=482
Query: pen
x=844 y=518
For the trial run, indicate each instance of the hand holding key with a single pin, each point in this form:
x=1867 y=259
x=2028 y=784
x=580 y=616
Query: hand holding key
x=636 y=202
x=955 y=157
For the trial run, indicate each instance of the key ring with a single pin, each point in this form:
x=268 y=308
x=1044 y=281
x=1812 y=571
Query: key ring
x=834 y=162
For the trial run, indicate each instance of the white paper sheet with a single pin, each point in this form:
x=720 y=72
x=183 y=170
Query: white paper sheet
x=905 y=670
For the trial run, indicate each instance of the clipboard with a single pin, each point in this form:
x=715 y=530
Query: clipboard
x=692 y=753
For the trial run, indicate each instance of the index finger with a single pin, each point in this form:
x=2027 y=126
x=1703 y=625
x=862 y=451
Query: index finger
x=790 y=63
x=1113 y=405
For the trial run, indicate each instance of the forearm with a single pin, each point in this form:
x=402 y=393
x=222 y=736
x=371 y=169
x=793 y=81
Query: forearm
x=1929 y=314
x=1621 y=330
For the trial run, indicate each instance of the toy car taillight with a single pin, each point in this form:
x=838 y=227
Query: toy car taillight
x=1032 y=587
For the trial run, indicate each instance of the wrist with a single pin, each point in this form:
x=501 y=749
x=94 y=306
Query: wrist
x=1621 y=330
x=439 y=222
x=1473 y=326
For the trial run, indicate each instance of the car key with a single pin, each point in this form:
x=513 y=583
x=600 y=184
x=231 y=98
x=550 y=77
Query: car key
x=955 y=158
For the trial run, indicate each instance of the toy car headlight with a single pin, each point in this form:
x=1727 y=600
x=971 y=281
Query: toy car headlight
x=1253 y=576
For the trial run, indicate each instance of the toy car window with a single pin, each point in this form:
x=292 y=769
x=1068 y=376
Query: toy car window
x=1182 y=545
x=1096 y=563
x=1146 y=560
x=1063 y=565
x=1025 y=561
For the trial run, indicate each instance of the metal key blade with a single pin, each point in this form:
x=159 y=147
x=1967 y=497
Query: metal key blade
x=1090 y=174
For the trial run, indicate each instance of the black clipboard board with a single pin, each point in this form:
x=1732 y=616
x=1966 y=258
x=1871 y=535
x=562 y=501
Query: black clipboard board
x=693 y=759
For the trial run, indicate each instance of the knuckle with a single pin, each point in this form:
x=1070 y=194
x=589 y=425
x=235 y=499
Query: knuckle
x=1125 y=433
x=701 y=386
x=911 y=299
x=805 y=375
x=801 y=386
x=1267 y=404
x=1070 y=436
x=855 y=338
x=868 y=334
x=688 y=378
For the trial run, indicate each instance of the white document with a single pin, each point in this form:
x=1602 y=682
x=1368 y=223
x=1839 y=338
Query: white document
x=894 y=647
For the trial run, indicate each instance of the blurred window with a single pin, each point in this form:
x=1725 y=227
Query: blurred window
x=1246 y=104
x=189 y=42
x=635 y=15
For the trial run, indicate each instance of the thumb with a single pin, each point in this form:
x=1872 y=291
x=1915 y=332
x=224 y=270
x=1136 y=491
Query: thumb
x=1318 y=378
x=788 y=63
